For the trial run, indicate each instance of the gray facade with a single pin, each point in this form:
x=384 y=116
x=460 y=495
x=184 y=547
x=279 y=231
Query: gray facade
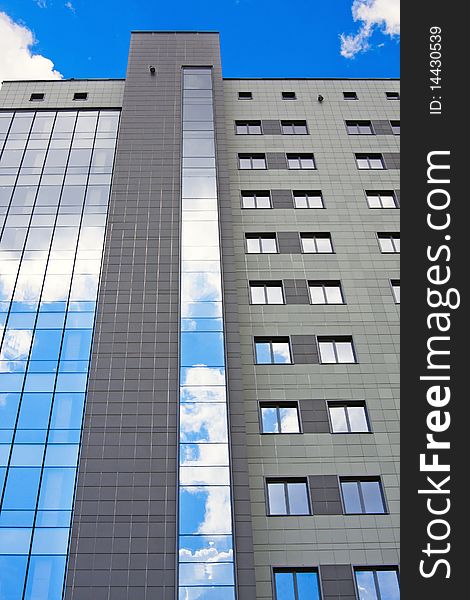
x=124 y=539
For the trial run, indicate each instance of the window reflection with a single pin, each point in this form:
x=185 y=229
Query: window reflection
x=50 y=257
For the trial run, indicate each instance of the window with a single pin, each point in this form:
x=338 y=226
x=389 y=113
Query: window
x=36 y=97
x=245 y=95
x=289 y=96
x=300 y=161
x=294 y=127
x=80 y=96
x=316 y=243
x=248 y=127
x=296 y=584
x=389 y=242
x=395 y=125
x=392 y=95
x=377 y=584
x=308 y=199
x=359 y=128
x=395 y=283
x=282 y=417
x=266 y=293
x=261 y=243
x=273 y=351
x=325 y=292
x=348 y=417
x=288 y=497
x=350 y=95
x=339 y=350
x=385 y=199
x=370 y=161
x=252 y=161
x=362 y=496
x=256 y=199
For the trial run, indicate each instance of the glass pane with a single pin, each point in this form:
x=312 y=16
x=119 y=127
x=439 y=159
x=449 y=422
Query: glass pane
x=351 y=498
x=253 y=245
x=268 y=245
x=21 y=488
x=57 y=488
x=307 y=586
x=388 y=584
x=50 y=540
x=376 y=163
x=308 y=244
x=333 y=294
x=371 y=491
x=366 y=585
x=204 y=454
x=284 y=583
x=374 y=201
x=324 y=244
x=45 y=577
x=206 y=574
x=13 y=570
x=274 y=295
x=257 y=294
x=263 y=353
x=388 y=201
x=201 y=422
x=205 y=510
x=15 y=540
x=289 y=419
x=345 y=352
x=269 y=419
x=277 y=499
x=327 y=352
x=386 y=244
x=259 y=163
x=298 y=499
x=357 y=418
x=338 y=419
x=317 y=295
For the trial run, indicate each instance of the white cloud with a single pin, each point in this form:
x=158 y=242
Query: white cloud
x=17 y=61
x=372 y=14
x=70 y=6
x=41 y=3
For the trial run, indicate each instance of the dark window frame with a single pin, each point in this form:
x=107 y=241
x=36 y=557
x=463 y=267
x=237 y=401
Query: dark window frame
x=346 y=403
x=277 y=405
x=294 y=571
x=392 y=95
x=394 y=124
x=80 y=96
x=270 y=340
x=353 y=127
x=254 y=194
x=245 y=95
x=379 y=194
x=293 y=124
x=248 y=124
x=393 y=236
x=307 y=194
x=264 y=285
x=288 y=95
x=37 y=97
x=336 y=339
x=316 y=236
x=350 y=96
x=298 y=157
x=285 y=481
x=358 y=480
x=395 y=283
x=251 y=157
x=261 y=236
x=369 y=157
x=325 y=283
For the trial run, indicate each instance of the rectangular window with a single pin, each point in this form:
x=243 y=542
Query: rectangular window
x=325 y=292
x=251 y=161
x=395 y=125
x=308 y=199
x=294 y=127
x=300 y=161
x=251 y=199
x=386 y=199
x=395 y=283
x=296 y=584
x=377 y=583
x=392 y=95
x=289 y=96
x=316 y=243
x=266 y=292
x=248 y=127
x=359 y=128
x=273 y=351
x=279 y=417
x=338 y=350
x=389 y=242
x=370 y=161
x=36 y=97
x=80 y=96
x=362 y=496
x=288 y=497
x=245 y=95
x=261 y=243
x=348 y=417
x=350 y=95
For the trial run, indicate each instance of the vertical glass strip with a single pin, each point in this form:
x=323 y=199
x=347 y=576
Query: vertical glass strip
x=55 y=176
x=205 y=545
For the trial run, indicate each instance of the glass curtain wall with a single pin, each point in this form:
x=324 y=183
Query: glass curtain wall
x=206 y=560
x=55 y=175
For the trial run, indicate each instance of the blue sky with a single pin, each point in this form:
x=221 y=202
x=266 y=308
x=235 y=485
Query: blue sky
x=259 y=38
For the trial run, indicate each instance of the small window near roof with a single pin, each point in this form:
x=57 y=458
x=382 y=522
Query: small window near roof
x=245 y=95
x=289 y=96
x=80 y=96
x=392 y=95
x=350 y=95
x=36 y=97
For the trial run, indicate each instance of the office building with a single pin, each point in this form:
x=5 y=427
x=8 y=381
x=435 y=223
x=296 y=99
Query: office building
x=199 y=296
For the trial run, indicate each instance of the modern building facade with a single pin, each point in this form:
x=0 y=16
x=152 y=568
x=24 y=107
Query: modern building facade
x=199 y=296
